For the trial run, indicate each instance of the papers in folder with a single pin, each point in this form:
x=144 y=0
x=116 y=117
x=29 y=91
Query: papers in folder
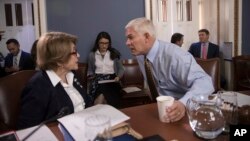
x=106 y=81
x=242 y=99
x=131 y=89
x=75 y=125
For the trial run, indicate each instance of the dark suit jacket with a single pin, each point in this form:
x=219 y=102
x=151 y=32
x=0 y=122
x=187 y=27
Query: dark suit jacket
x=213 y=50
x=41 y=101
x=25 y=63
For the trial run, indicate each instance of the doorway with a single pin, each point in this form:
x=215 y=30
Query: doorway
x=17 y=21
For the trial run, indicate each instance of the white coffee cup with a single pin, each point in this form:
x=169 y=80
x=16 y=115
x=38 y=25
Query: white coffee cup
x=163 y=102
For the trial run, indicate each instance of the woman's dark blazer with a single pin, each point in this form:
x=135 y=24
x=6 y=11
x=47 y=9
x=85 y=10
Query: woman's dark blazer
x=41 y=101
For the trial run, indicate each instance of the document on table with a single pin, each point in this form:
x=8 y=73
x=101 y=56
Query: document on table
x=131 y=89
x=243 y=99
x=106 y=81
x=42 y=134
x=75 y=125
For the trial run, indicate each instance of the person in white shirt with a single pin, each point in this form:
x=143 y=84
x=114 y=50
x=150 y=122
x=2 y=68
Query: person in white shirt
x=104 y=64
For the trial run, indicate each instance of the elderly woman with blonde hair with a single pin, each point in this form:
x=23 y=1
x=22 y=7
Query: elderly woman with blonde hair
x=54 y=87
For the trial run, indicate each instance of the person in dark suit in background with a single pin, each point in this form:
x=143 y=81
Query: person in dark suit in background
x=204 y=49
x=17 y=59
x=55 y=86
x=2 y=72
x=177 y=38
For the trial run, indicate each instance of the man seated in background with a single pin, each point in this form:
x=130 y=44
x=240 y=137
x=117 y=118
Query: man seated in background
x=17 y=59
x=2 y=73
x=177 y=38
x=204 y=49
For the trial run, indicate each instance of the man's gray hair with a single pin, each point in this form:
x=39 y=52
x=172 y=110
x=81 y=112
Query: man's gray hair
x=142 y=25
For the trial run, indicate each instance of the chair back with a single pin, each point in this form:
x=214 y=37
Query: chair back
x=132 y=75
x=212 y=68
x=241 y=65
x=82 y=74
x=11 y=87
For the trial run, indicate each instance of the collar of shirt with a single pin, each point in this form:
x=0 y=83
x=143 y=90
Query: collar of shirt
x=18 y=56
x=206 y=43
x=153 y=51
x=99 y=53
x=55 y=79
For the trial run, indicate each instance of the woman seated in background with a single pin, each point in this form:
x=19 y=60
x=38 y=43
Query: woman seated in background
x=104 y=64
x=54 y=87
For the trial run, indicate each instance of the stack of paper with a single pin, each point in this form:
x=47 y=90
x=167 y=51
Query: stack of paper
x=75 y=125
x=43 y=134
x=106 y=81
x=243 y=99
x=131 y=89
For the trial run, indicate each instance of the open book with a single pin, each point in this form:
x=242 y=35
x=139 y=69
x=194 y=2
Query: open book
x=75 y=125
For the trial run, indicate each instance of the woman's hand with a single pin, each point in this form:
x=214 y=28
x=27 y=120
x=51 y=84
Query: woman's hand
x=117 y=79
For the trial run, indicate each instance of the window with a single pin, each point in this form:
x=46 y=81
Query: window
x=19 y=14
x=8 y=15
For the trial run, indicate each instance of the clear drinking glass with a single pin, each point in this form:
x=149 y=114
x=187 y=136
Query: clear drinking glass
x=98 y=128
x=229 y=108
x=205 y=116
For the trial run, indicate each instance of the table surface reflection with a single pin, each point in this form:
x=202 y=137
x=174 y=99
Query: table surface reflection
x=144 y=119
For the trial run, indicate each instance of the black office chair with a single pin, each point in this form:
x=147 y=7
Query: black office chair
x=241 y=65
x=212 y=68
x=11 y=87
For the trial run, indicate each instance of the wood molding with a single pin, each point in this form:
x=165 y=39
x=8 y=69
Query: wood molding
x=236 y=27
x=218 y=22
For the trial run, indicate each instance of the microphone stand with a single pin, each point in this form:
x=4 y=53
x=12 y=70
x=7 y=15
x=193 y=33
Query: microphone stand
x=64 y=111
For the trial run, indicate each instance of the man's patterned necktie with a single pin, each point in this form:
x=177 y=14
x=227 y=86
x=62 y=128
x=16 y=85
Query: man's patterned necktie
x=150 y=79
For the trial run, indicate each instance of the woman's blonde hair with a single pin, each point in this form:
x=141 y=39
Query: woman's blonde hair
x=54 y=48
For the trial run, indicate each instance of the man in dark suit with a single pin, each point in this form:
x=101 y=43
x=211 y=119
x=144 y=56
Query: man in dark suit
x=17 y=59
x=204 y=49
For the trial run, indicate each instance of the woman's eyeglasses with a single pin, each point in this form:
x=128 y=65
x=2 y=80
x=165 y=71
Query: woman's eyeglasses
x=74 y=53
x=103 y=43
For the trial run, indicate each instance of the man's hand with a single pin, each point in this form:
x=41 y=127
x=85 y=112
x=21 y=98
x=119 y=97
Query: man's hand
x=175 y=112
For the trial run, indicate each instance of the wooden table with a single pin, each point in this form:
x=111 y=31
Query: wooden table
x=144 y=119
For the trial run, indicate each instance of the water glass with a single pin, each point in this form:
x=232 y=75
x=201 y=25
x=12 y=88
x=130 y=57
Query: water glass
x=98 y=128
x=205 y=116
x=229 y=108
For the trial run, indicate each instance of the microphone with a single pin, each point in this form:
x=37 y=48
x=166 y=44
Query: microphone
x=64 y=111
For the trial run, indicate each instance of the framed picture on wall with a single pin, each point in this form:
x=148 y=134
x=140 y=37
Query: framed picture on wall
x=226 y=50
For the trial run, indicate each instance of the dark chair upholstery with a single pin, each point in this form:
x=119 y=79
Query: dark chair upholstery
x=212 y=68
x=82 y=74
x=241 y=65
x=11 y=87
x=133 y=78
